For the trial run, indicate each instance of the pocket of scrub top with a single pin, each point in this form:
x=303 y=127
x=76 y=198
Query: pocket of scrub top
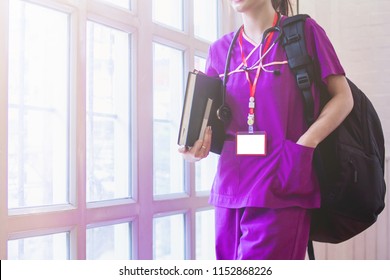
x=295 y=169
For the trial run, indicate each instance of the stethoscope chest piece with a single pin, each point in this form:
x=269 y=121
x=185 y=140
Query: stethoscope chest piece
x=224 y=113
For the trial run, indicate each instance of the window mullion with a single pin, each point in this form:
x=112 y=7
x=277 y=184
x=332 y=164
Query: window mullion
x=144 y=130
x=4 y=15
x=78 y=126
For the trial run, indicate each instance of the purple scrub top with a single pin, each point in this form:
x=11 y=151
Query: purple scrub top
x=285 y=176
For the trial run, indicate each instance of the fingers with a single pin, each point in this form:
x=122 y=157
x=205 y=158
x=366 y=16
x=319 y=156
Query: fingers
x=207 y=139
x=200 y=150
x=197 y=150
x=183 y=149
x=205 y=144
x=202 y=147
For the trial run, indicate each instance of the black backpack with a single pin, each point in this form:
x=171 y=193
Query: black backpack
x=349 y=162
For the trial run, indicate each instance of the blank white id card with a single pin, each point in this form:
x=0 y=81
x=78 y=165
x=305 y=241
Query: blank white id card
x=251 y=143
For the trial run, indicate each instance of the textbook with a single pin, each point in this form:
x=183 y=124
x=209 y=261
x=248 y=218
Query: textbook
x=203 y=97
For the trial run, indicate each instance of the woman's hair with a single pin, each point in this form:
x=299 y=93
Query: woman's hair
x=282 y=6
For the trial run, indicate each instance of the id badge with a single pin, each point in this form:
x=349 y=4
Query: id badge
x=251 y=143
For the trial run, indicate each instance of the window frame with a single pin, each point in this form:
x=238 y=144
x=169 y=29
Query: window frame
x=140 y=210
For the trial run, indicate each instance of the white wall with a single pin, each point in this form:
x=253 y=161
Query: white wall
x=360 y=32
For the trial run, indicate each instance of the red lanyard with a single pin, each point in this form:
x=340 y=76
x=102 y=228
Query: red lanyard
x=252 y=85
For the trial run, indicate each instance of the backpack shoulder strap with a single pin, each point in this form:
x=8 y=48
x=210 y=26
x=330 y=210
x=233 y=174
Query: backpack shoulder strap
x=299 y=60
x=302 y=66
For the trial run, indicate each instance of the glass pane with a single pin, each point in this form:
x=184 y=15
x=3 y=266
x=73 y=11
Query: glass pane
x=167 y=103
x=108 y=113
x=200 y=63
x=46 y=247
x=38 y=117
x=205 y=235
x=206 y=19
x=168 y=12
x=121 y=3
x=111 y=242
x=168 y=238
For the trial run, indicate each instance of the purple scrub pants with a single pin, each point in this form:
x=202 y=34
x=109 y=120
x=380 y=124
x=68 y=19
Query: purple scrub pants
x=261 y=234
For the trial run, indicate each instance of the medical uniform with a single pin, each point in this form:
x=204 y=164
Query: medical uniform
x=261 y=202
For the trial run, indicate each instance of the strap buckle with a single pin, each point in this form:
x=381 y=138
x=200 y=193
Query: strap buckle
x=293 y=38
x=303 y=80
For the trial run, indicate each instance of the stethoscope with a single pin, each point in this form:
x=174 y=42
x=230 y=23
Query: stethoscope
x=224 y=113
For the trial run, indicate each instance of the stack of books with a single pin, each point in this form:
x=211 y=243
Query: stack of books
x=203 y=97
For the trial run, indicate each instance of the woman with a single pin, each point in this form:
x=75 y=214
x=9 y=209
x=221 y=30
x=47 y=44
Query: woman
x=262 y=201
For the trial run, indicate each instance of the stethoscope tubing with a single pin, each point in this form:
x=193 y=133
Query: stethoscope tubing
x=275 y=28
x=230 y=50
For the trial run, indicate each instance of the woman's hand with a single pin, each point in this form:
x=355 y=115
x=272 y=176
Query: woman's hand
x=200 y=149
x=334 y=112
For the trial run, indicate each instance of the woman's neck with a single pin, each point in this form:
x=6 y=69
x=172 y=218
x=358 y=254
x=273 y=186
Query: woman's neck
x=257 y=21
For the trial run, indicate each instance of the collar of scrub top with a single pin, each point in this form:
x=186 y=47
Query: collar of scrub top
x=255 y=66
x=224 y=111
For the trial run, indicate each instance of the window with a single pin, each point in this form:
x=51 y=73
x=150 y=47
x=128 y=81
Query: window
x=205 y=20
x=108 y=113
x=44 y=247
x=168 y=237
x=169 y=13
x=167 y=89
x=38 y=107
x=110 y=242
x=205 y=242
x=93 y=93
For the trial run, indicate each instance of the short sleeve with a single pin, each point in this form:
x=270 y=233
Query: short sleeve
x=321 y=48
x=210 y=68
